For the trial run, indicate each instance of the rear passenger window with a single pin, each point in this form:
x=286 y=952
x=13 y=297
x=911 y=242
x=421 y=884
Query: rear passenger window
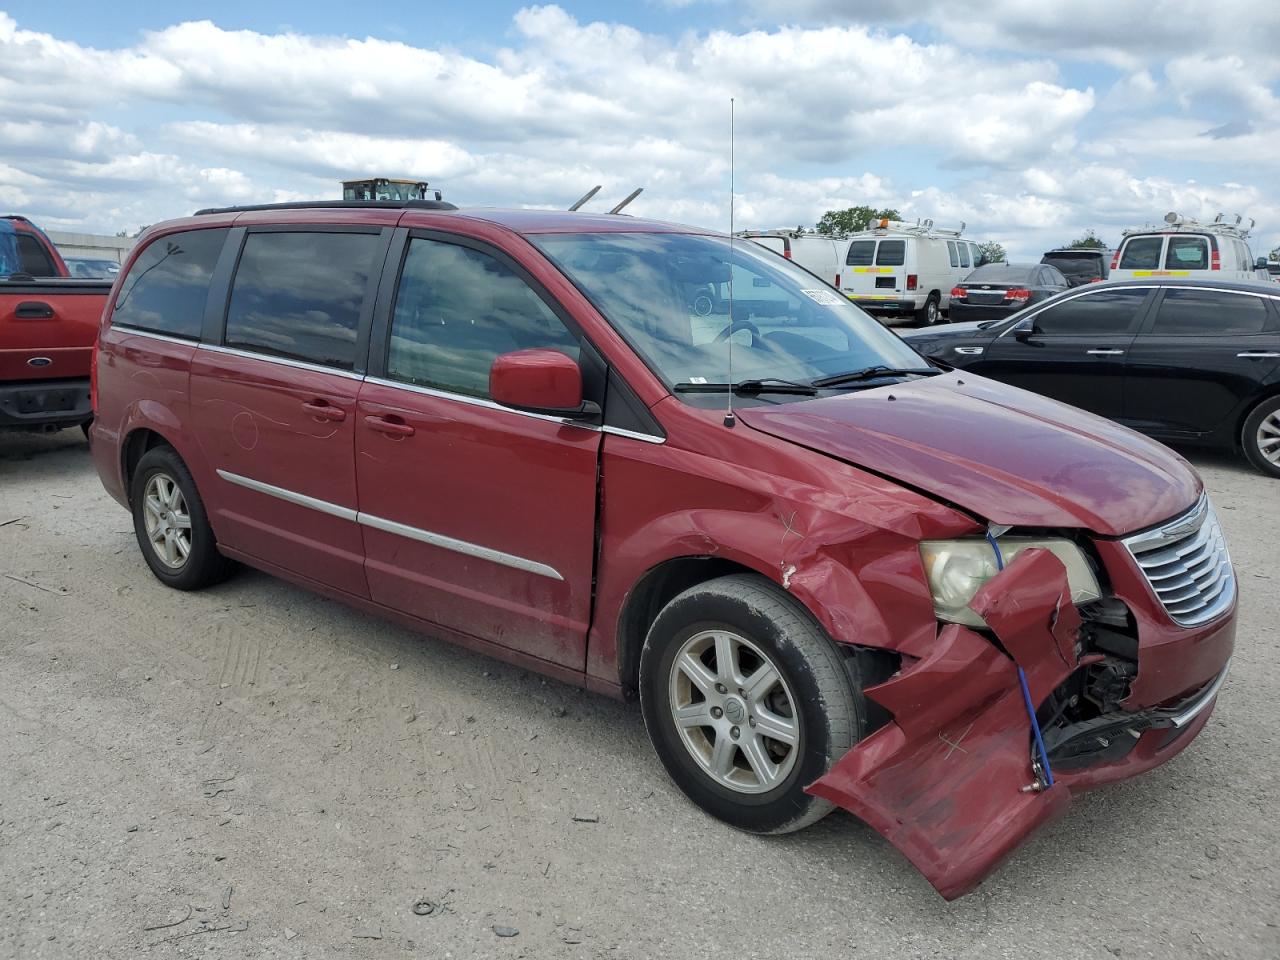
x=1187 y=253
x=964 y=254
x=166 y=288
x=892 y=253
x=860 y=253
x=299 y=295
x=1142 y=253
x=1106 y=311
x=456 y=310
x=1207 y=313
x=32 y=257
x=953 y=253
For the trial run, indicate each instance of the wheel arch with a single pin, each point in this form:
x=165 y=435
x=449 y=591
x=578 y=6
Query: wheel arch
x=1270 y=392
x=136 y=443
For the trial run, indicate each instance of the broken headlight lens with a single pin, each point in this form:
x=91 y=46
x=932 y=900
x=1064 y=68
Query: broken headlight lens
x=956 y=569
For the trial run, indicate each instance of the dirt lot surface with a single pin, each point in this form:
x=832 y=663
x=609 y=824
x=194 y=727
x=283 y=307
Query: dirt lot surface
x=256 y=772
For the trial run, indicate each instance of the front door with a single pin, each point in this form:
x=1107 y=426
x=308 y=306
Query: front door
x=1201 y=355
x=1073 y=350
x=273 y=406
x=476 y=517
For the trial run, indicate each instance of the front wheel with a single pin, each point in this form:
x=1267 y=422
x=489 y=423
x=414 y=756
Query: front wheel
x=747 y=702
x=1261 y=437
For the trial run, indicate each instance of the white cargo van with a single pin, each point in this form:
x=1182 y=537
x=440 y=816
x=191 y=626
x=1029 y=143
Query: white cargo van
x=819 y=255
x=1186 y=248
x=901 y=269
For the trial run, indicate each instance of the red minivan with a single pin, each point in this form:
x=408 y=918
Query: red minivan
x=651 y=460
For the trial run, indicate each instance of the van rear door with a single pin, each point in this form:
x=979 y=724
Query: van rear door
x=874 y=272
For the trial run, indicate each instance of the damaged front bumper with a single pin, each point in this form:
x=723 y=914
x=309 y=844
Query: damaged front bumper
x=953 y=780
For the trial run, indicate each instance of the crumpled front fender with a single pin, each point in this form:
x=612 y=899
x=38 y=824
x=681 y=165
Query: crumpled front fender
x=949 y=780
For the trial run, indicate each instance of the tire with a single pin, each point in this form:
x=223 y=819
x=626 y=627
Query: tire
x=161 y=478
x=930 y=313
x=762 y=626
x=1260 y=437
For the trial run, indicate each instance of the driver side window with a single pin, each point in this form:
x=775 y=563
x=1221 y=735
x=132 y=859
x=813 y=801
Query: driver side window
x=1101 y=312
x=456 y=309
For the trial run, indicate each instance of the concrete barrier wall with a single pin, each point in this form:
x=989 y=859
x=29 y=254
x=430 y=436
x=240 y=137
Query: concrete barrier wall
x=91 y=246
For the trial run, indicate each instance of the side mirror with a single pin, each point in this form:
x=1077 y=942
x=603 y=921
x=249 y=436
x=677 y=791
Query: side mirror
x=539 y=381
x=1025 y=331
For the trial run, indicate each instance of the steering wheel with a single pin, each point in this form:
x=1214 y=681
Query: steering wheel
x=733 y=326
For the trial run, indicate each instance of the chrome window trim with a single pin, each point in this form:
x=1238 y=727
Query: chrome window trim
x=477 y=402
x=391 y=526
x=1075 y=296
x=280 y=493
x=167 y=338
x=282 y=361
x=632 y=434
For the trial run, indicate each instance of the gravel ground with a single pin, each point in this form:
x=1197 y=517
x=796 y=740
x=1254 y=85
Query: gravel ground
x=254 y=771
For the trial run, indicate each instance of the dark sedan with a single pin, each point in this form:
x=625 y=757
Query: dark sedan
x=997 y=290
x=1190 y=361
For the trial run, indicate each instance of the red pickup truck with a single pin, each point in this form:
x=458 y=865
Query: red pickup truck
x=48 y=323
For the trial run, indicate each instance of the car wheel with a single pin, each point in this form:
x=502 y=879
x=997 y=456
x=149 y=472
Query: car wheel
x=171 y=526
x=747 y=702
x=930 y=313
x=1261 y=437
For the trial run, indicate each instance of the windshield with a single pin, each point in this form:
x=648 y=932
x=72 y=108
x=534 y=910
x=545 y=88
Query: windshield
x=668 y=295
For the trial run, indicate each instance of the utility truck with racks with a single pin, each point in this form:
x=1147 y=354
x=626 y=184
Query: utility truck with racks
x=1187 y=248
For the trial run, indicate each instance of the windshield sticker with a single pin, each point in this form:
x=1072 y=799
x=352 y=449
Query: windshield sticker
x=824 y=297
x=697 y=379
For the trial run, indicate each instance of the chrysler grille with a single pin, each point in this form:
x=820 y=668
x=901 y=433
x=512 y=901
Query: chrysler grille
x=1187 y=565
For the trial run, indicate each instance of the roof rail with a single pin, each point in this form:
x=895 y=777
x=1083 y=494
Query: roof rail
x=335 y=205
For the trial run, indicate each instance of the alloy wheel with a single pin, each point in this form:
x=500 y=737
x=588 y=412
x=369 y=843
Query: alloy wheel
x=168 y=522
x=734 y=711
x=1268 y=438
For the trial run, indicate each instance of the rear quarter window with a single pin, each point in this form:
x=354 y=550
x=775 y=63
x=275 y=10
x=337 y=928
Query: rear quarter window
x=300 y=295
x=167 y=286
x=1209 y=313
x=953 y=253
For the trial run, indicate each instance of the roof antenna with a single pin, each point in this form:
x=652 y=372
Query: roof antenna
x=729 y=419
x=585 y=197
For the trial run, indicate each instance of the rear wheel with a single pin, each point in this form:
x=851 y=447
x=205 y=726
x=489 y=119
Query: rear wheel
x=171 y=526
x=930 y=313
x=747 y=702
x=1261 y=437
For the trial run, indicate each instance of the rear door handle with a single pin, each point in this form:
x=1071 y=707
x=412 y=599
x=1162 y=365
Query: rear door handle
x=33 y=310
x=393 y=428
x=1259 y=354
x=324 y=410
x=1105 y=353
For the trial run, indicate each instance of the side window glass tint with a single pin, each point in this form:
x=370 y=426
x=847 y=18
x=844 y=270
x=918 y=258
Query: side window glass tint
x=1206 y=313
x=964 y=254
x=860 y=253
x=1107 y=311
x=1141 y=253
x=1187 y=253
x=166 y=288
x=953 y=253
x=456 y=310
x=892 y=253
x=32 y=257
x=299 y=295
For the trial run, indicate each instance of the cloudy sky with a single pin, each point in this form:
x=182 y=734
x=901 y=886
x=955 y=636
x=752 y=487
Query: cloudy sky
x=1029 y=124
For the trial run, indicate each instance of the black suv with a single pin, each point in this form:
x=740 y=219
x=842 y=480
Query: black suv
x=1190 y=361
x=1080 y=265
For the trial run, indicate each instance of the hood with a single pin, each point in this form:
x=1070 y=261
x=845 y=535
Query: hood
x=1004 y=454
x=966 y=329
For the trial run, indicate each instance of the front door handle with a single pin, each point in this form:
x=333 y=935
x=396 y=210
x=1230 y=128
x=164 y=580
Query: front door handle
x=1105 y=353
x=324 y=410
x=393 y=428
x=1259 y=354
x=33 y=310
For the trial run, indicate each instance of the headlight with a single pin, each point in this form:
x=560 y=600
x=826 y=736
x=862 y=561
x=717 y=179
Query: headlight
x=956 y=569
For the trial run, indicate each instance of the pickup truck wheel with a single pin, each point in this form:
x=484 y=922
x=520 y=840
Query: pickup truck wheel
x=171 y=526
x=1261 y=437
x=747 y=702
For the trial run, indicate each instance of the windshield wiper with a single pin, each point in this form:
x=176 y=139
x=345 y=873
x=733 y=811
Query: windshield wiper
x=750 y=387
x=874 y=373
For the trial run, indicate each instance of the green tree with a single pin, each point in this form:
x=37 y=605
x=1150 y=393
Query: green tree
x=992 y=252
x=1274 y=256
x=834 y=223
x=1089 y=241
